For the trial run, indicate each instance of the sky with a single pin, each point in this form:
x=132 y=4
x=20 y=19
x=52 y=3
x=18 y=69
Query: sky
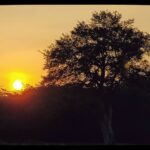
x=27 y=29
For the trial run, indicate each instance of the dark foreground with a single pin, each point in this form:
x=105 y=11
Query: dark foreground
x=73 y=116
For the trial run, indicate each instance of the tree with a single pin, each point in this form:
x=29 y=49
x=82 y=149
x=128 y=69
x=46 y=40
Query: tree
x=104 y=54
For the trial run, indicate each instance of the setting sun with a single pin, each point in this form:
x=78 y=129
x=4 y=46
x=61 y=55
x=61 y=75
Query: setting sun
x=18 y=81
x=17 y=85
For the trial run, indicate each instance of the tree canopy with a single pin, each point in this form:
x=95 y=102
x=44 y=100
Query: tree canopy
x=104 y=52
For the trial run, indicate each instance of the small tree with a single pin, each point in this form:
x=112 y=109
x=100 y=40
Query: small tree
x=105 y=53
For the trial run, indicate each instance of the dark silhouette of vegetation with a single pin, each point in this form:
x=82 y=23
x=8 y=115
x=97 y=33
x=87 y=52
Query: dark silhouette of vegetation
x=60 y=115
x=96 y=90
x=104 y=54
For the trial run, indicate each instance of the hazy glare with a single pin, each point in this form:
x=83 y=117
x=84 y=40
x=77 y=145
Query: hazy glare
x=26 y=29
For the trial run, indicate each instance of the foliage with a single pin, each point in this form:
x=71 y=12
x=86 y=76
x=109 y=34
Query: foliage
x=106 y=52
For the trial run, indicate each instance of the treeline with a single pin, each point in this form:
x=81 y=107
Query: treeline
x=57 y=115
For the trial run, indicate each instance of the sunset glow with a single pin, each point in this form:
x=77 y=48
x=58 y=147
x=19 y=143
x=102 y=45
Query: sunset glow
x=28 y=29
x=74 y=74
x=17 y=80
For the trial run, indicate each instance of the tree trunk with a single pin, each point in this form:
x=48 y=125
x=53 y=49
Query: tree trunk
x=106 y=127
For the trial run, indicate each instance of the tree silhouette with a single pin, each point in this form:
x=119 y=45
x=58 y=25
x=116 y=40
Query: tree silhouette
x=97 y=54
x=105 y=54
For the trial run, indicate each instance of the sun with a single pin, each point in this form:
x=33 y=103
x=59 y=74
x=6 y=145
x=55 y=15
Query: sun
x=17 y=81
x=18 y=85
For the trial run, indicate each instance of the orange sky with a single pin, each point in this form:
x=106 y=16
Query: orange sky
x=26 y=29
